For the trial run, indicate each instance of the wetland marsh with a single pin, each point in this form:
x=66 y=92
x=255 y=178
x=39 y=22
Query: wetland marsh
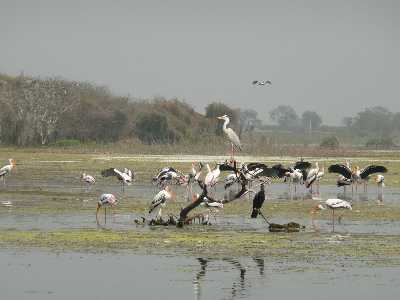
x=47 y=223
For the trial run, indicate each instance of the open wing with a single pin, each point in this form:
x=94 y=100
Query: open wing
x=340 y=169
x=109 y=172
x=371 y=170
x=302 y=165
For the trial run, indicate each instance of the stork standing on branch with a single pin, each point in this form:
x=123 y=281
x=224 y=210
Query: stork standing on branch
x=204 y=194
x=231 y=135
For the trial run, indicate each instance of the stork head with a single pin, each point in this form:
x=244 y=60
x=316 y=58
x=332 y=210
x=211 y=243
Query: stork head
x=12 y=162
x=379 y=178
x=224 y=117
x=83 y=175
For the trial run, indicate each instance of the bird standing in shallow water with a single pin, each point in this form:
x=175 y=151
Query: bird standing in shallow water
x=88 y=179
x=125 y=177
x=231 y=135
x=158 y=202
x=333 y=204
x=380 y=181
x=6 y=170
x=106 y=200
x=258 y=201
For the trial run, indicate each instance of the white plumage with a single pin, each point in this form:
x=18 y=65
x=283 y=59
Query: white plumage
x=6 y=170
x=334 y=204
x=232 y=136
x=212 y=176
x=88 y=179
x=105 y=200
x=159 y=201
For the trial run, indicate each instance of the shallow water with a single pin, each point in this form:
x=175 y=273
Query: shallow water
x=43 y=275
x=77 y=198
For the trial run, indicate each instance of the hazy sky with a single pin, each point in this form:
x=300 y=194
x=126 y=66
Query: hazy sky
x=336 y=57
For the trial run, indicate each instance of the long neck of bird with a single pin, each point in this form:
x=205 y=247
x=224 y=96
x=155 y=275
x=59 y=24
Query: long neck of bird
x=226 y=122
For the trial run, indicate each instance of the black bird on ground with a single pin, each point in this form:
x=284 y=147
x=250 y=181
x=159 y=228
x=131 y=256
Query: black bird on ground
x=258 y=201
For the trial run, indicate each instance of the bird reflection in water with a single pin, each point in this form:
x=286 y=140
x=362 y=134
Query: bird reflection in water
x=239 y=286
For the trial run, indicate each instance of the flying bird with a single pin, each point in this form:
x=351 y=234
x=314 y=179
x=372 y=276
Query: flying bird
x=106 y=200
x=6 y=170
x=231 y=135
x=261 y=82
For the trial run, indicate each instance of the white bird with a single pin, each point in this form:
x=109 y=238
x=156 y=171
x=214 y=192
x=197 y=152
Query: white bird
x=311 y=176
x=261 y=82
x=212 y=176
x=6 y=170
x=88 y=179
x=125 y=177
x=320 y=174
x=232 y=136
x=333 y=204
x=159 y=201
x=380 y=181
x=295 y=177
x=106 y=200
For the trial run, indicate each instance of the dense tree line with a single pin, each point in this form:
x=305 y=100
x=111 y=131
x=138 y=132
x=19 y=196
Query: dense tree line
x=41 y=111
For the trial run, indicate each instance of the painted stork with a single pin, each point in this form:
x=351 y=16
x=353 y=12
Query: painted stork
x=380 y=181
x=332 y=204
x=106 y=200
x=125 y=177
x=320 y=174
x=169 y=175
x=261 y=82
x=212 y=176
x=356 y=175
x=159 y=201
x=88 y=180
x=311 y=176
x=258 y=201
x=231 y=135
x=6 y=170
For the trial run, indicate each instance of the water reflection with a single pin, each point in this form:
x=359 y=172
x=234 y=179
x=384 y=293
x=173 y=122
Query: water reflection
x=240 y=287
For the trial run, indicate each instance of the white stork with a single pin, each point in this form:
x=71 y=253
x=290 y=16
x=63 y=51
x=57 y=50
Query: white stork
x=125 y=177
x=159 y=201
x=6 y=170
x=106 y=200
x=232 y=136
x=88 y=180
x=333 y=204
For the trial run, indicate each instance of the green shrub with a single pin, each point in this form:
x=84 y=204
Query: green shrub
x=331 y=142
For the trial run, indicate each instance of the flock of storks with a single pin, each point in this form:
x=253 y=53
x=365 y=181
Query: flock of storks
x=240 y=180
